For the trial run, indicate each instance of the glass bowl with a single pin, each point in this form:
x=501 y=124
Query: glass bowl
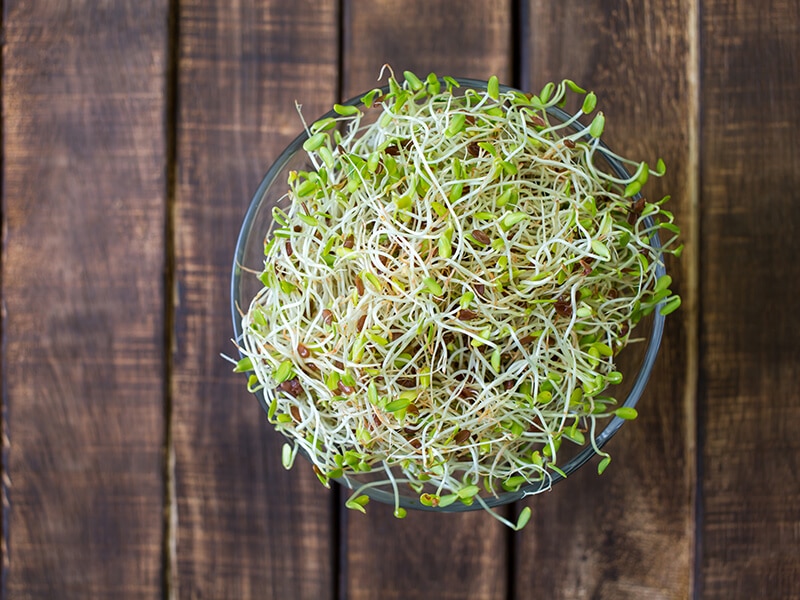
x=635 y=361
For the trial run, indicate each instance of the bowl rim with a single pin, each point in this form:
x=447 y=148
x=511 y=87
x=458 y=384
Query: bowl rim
x=574 y=463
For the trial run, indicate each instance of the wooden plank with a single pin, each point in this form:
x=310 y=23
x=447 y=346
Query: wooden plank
x=473 y=41
x=449 y=556
x=245 y=527
x=84 y=204
x=750 y=325
x=629 y=533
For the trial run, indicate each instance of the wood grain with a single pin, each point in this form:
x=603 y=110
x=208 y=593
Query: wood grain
x=629 y=533
x=750 y=221
x=424 y=555
x=84 y=204
x=245 y=527
x=474 y=41
x=89 y=228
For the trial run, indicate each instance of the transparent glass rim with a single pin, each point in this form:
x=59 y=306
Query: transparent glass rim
x=577 y=461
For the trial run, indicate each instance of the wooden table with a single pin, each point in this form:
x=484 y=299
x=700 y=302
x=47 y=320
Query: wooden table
x=136 y=465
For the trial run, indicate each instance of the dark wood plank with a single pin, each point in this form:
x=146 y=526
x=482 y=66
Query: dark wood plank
x=750 y=325
x=629 y=533
x=473 y=40
x=425 y=555
x=84 y=204
x=245 y=527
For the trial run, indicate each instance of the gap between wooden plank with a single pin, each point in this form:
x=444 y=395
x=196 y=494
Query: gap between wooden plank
x=519 y=70
x=170 y=514
x=338 y=512
x=691 y=259
x=4 y=441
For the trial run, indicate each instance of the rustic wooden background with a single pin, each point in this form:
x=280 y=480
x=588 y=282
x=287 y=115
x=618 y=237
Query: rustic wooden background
x=135 y=464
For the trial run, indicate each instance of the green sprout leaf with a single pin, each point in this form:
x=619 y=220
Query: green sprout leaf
x=598 y=123
x=315 y=141
x=306 y=188
x=663 y=283
x=396 y=405
x=589 y=103
x=574 y=86
x=378 y=339
x=273 y=406
x=575 y=435
x=496 y=360
x=626 y=412
x=468 y=492
x=632 y=189
x=244 y=365
x=413 y=81
x=457 y=122
x=445 y=247
x=493 y=88
x=670 y=306
x=451 y=83
x=287 y=456
x=358 y=503
x=327 y=156
x=322 y=125
x=600 y=249
x=439 y=208
x=345 y=110
x=504 y=198
x=372 y=280
x=547 y=92
x=512 y=219
x=432 y=286
x=523 y=518
x=513 y=483
x=447 y=500
x=643 y=174
x=671 y=227
x=456 y=191
x=429 y=499
x=368 y=98
x=284 y=371
x=433 y=85
x=372 y=393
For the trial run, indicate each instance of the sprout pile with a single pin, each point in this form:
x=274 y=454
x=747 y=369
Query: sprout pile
x=446 y=290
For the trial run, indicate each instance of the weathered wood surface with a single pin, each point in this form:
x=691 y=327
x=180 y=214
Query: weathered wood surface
x=475 y=41
x=750 y=450
x=84 y=199
x=134 y=135
x=246 y=528
x=629 y=533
